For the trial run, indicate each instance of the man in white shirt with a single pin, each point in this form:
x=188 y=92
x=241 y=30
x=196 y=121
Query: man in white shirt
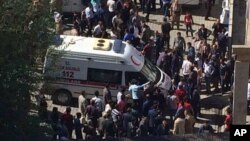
x=207 y=71
x=111 y=12
x=98 y=102
x=58 y=22
x=186 y=65
x=120 y=93
x=89 y=15
x=82 y=103
x=98 y=29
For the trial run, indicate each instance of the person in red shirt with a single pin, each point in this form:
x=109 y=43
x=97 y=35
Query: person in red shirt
x=121 y=106
x=188 y=20
x=180 y=92
x=228 y=120
x=147 y=50
x=187 y=105
x=67 y=119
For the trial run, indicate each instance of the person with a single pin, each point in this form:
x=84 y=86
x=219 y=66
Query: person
x=217 y=28
x=228 y=120
x=206 y=128
x=195 y=102
x=186 y=67
x=175 y=64
x=146 y=33
x=120 y=93
x=143 y=127
x=203 y=32
x=188 y=21
x=108 y=127
x=54 y=119
x=98 y=29
x=67 y=119
x=189 y=123
x=172 y=102
x=193 y=77
x=134 y=88
x=84 y=22
x=101 y=121
x=198 y=69
x=146 y=105
x=223 y=75
x=208 y=71
x=179 y=45
x=148 y=9
x=63 y=131
x=42 y=108
x=163 y=128
x=165 y=29
x=222 y=42
x=104 y=33
x=122 y=104
x=127 y=122
x=89 y=16
x=148 y=49
x=98 y=102
x=111 y=12
x=176 y=13
x=129 y=35
x=116 y=116
x=82 y=102
x=106 y=94
x=209 y=5
x=108 y=106
x=179 y=125
x=92 y=113
x=58 y=23
x=158 y=45
x=180 y=92
x=152 y=114
x=165 y=7
x=78 y=126
x=118 y=24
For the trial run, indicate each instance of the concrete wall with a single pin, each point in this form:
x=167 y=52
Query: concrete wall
x=237 y=24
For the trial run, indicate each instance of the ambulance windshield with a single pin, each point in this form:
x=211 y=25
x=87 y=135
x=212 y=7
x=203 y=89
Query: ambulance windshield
x=150 y=71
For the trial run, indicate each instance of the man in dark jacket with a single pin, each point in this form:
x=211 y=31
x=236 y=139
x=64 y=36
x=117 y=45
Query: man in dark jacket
x=222 y=43
x=165 y=29
x=203 y=32
x=163 y=129
x=209 y=5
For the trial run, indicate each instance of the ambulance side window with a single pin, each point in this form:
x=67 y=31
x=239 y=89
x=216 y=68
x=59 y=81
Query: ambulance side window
x=101 y=75
x=134 y=75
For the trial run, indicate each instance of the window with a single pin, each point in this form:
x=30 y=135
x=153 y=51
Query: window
x=134 y=75
x=105 y=76
x=150 y=71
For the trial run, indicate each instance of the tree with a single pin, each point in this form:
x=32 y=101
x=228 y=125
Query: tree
x=24 y=38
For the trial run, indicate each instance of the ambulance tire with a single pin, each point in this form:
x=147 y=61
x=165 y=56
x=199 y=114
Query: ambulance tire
x=62 y=97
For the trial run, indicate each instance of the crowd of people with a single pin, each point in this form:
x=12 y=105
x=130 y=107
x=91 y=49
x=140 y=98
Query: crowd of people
x=187 y=63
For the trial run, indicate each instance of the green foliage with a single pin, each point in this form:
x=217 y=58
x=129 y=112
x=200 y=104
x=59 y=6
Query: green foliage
x=24 y=38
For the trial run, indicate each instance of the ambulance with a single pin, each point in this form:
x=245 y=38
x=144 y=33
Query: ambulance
x=82 y=63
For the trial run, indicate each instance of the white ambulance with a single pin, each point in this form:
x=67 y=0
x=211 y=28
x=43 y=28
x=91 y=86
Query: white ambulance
x=81 y=63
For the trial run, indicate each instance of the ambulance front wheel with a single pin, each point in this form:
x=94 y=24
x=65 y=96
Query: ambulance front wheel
x=62 y=97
